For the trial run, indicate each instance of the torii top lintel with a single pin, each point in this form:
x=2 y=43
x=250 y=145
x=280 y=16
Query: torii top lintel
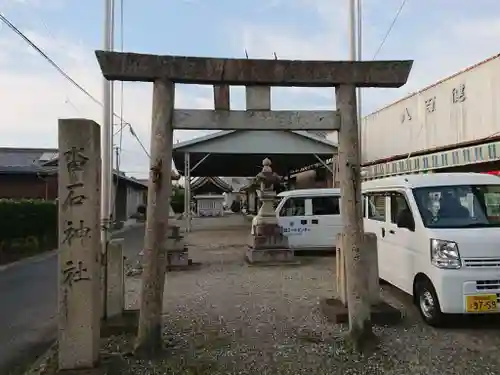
x=125 y=66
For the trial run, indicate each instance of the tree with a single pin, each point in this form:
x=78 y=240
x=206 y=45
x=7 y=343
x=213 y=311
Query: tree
x=236 y=206
x=177 y=200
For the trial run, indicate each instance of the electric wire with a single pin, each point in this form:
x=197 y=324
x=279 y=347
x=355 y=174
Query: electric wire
x=389 y=30
x=61 y=71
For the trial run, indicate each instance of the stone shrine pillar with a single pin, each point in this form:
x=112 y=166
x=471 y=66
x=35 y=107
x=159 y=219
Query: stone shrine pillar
x=79 y=180
x=267 y=242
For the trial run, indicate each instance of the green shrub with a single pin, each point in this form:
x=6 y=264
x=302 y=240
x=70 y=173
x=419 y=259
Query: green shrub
x=177 y=200
x=27 y=227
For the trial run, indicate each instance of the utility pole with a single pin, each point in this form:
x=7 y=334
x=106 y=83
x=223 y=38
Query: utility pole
x=359 y=53
x=115 y=187
x=107 y=148
x=352 y=30
x=107 y=129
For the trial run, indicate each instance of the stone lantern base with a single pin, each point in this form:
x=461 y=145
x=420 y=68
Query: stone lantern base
x=267 y=244
x=177 y=251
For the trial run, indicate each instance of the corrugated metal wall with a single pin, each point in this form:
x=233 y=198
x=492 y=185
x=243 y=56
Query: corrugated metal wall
x=462 y=108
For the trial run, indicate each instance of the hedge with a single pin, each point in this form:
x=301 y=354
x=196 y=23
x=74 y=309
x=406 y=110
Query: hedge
x=27 y=227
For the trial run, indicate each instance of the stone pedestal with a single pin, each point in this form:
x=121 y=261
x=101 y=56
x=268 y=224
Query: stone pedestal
x=336 y=309
x=177 y=251
x=267 y=242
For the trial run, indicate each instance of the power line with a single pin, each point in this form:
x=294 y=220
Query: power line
x=394 y=20
x=66 y=75
x=46 y=57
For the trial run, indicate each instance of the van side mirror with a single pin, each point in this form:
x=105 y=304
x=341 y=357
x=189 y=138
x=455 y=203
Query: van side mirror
x=405 y=220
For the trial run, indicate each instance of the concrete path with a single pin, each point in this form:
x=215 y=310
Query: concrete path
x=28 y=295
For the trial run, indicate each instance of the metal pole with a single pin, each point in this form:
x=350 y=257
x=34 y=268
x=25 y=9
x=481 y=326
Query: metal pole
x=111 y=113
x=188 y=191
x=352 y=30
x=359 y=56
x=106 y=166
x=106 y=128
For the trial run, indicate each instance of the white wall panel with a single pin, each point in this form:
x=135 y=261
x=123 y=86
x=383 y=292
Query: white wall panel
x=437 y=116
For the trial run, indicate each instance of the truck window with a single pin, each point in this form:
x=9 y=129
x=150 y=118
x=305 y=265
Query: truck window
x=376 y=206
x=398 y=205
x=325 y=206
x=294 y=207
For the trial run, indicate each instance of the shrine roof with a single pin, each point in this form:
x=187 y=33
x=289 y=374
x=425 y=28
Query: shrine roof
x=239 y=153
x=215 y=181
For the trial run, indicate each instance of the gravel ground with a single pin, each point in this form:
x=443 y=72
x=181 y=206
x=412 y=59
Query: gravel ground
x=229 y=318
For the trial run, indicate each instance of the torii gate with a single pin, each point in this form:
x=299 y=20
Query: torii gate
x=258 y=76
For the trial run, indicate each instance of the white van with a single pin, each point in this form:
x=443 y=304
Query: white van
x=438 y=239
x=310 y=218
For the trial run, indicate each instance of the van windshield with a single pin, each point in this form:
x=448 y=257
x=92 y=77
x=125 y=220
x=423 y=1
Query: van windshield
x=459 y=206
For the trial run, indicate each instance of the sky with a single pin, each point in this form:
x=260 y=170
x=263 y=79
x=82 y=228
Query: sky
x=442 y=36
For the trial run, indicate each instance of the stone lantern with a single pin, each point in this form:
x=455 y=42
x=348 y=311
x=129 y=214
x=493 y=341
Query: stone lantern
x=266 y=181
x=177 y=252
x=267 y=242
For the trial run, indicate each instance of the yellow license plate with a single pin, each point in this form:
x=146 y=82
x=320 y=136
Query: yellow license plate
x=483 y=303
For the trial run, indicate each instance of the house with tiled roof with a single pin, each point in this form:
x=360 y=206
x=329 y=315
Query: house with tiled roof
x=31 y=173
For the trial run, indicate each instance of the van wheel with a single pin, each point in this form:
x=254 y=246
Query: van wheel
x=428 y=304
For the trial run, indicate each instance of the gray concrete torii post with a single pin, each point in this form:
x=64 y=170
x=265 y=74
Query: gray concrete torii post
x=257 y=76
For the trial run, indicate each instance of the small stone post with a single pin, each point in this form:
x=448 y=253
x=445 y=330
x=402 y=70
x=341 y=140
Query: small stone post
x=360 y=328
x=79 y=243
x=371 y=255
x=149 y=336
x=267 y=242
x=340 y=271
x=115 y=299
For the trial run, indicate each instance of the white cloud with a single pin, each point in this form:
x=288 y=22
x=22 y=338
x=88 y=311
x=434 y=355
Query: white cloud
x=54 y=4
x=34 y=95
x=450 y=42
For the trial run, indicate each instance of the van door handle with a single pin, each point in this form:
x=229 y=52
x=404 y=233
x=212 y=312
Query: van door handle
x=383 y=232
x=314 y=221
x=392 y=232
x=303 y=222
